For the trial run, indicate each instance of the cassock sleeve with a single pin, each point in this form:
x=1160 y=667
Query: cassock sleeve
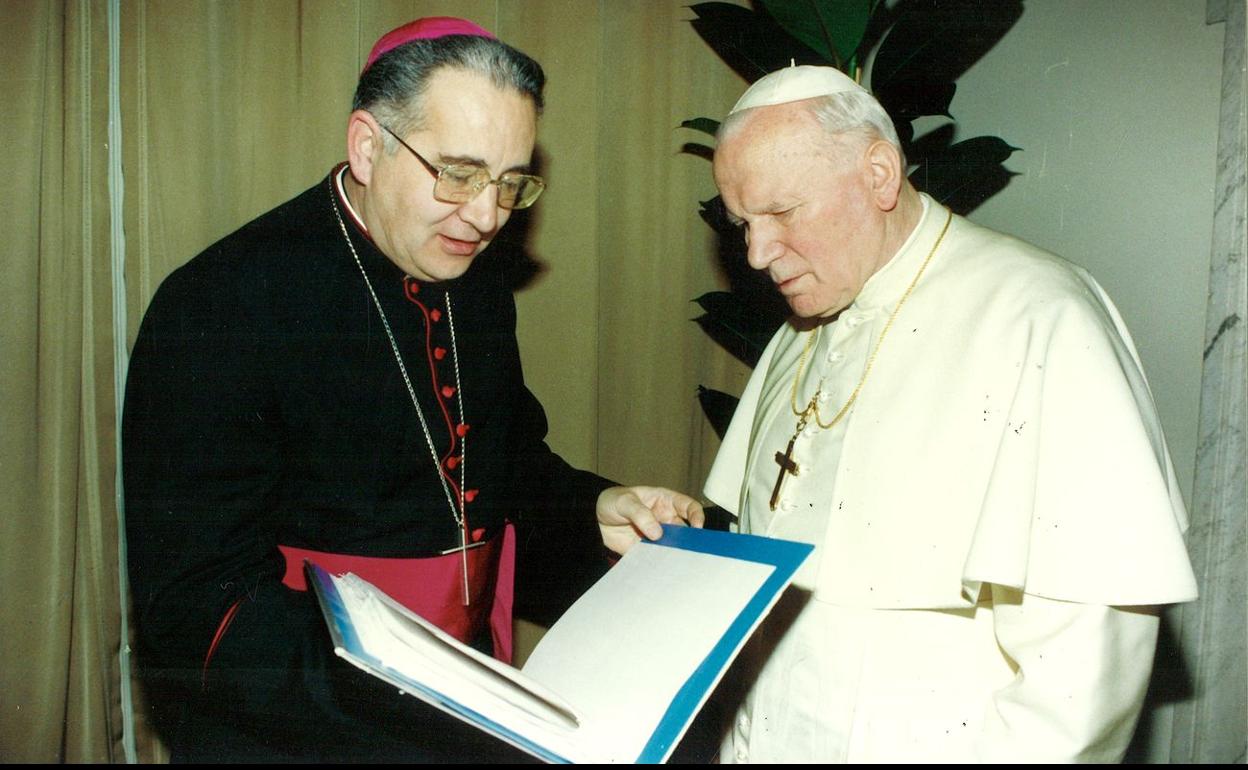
x=1082 y=672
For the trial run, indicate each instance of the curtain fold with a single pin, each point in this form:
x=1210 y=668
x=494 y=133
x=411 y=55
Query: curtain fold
x=60 y=608
x=655 y=255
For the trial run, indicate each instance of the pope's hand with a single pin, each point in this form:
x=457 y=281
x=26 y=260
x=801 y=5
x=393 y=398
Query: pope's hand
x=627 y=513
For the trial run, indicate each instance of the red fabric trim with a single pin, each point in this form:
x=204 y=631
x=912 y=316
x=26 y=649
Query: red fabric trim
x=431 y=356
x=226 y=620
x=504 y=598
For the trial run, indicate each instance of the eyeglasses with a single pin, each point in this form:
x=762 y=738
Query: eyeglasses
x=462 y=182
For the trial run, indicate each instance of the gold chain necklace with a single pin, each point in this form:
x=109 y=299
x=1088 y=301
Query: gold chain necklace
x=785 y=459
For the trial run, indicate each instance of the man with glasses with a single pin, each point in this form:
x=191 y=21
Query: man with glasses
x=339 y=381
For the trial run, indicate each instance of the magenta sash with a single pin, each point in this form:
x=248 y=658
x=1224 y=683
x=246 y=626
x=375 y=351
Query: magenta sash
x=433 y=587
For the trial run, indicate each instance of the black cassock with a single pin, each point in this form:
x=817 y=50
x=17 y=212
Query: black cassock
x=264 y=406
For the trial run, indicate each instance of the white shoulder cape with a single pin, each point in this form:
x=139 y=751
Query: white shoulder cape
x=1006 y=435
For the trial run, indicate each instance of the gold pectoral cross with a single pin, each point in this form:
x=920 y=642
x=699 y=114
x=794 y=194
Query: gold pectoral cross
x=787 y=465
x=785 y=459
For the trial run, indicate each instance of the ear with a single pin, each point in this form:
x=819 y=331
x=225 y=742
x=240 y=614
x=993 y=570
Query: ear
x=365 y=145
x=886 y=173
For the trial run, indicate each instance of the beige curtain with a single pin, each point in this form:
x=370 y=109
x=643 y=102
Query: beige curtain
x=59 y=606
x=606 y=331
x=228 y=108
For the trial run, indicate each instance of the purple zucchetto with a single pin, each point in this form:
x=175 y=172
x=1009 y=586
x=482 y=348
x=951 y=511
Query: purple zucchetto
x=423 y=29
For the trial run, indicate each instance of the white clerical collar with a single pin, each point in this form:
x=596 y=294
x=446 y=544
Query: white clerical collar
x=890 y=281
x=341 y=189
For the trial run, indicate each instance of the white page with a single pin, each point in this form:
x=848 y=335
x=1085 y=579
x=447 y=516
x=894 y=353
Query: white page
x=418 y=650
x=621 y=660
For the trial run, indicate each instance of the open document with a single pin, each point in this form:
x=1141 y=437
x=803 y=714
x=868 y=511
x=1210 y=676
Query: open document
x=617 y=679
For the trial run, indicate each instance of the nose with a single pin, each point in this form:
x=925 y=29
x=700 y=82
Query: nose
x=762 y=247
x=482 y=212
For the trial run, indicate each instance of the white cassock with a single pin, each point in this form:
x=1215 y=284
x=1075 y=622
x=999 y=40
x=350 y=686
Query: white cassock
x=993 y=518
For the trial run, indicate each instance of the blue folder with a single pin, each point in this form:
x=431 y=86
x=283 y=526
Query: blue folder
x=784 y=557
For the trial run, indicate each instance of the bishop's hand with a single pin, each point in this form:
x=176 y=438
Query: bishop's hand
x=626 y=514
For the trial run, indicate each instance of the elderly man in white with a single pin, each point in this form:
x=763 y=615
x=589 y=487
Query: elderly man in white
x=959 y=422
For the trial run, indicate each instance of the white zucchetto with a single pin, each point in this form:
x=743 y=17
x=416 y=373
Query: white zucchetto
x=793 y=84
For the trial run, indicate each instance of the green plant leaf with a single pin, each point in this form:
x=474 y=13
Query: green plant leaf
x=883 y=16
x=934 y=142
x=742 y=327
x=967 y=173
x=936 y=41
x=705 y=125
x=982 y=149
x=751 y=43
x=907 y=100
x=701 y=150
x=832 y=28
x=718 y=408
x=714 y=214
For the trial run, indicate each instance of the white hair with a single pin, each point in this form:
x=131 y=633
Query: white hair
x=851 y=112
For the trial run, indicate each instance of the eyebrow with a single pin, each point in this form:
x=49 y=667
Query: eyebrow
x=770 y=210
x=469 y=160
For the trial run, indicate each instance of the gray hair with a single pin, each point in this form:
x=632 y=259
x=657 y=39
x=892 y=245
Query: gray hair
x=851 y=112
x=394 y=86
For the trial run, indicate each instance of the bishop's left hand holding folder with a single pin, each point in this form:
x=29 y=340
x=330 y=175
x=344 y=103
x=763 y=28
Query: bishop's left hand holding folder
x=339 y=381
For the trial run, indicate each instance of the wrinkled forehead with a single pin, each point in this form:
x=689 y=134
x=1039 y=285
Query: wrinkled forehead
x=768 y=135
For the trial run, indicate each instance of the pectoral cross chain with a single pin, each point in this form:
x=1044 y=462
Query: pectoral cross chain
x=787 y=465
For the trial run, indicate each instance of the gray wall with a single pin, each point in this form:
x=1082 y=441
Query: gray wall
x=1115 y=104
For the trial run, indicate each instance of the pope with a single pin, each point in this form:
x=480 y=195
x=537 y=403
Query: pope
x=960 y=423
